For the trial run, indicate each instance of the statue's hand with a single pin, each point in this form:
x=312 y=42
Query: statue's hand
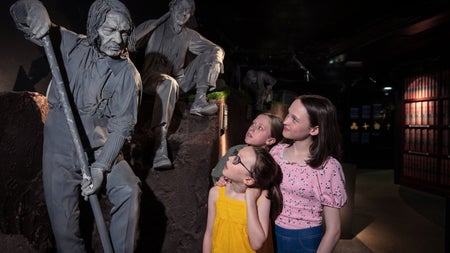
x=31 y=18
x=39 y=22
x=92 y=184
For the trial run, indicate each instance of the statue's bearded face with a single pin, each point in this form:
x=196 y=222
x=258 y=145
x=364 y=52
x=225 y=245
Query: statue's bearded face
x=113 y=34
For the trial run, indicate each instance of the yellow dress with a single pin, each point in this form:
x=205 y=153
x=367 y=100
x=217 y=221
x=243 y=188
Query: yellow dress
x=230 y=226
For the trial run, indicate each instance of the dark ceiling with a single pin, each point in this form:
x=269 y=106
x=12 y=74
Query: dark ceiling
x=291 y=37
x=286 y=35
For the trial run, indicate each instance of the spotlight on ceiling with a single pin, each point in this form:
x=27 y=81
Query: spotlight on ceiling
x=338 y=59
x=387 y=90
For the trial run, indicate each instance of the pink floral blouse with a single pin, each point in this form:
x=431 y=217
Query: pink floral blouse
x=306 y=190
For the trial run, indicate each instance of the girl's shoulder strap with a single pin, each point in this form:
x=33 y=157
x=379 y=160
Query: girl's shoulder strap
x=222 y=190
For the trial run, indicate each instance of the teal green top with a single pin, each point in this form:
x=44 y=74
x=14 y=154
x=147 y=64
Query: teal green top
x=216 y=172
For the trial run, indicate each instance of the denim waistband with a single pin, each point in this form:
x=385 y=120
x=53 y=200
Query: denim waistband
x=300 y=232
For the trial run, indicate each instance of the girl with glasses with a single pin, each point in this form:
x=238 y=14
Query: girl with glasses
x=239 y=213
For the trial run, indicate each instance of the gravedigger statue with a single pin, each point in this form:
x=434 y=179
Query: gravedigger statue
x=104 y=88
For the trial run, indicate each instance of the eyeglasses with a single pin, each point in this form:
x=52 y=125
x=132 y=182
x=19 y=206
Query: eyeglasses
x=237 y=160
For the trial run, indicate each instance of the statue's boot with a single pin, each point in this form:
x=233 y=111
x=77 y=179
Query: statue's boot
x=161 y=160
x=201 y=106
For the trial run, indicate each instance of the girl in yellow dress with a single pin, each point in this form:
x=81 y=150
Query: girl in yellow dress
x=240 y=212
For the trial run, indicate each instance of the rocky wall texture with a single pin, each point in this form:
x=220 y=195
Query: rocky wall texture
x=174 y=202
x=24 y=223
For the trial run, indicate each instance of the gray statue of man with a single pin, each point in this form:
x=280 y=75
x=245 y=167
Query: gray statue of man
x=106 y=89
x=260 y=84
x=167 y=43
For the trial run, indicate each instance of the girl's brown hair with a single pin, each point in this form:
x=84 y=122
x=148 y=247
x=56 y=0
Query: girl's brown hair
x=322 y=113
x=267 y=176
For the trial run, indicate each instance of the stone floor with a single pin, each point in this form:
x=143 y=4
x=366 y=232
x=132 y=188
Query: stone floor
x=389 y=218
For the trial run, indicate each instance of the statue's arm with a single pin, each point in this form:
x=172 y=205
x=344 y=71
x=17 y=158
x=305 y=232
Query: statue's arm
x=139 y=33
x=213 y=55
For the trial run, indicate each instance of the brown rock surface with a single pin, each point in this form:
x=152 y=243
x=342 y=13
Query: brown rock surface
x=23 y=214
x=173 y=214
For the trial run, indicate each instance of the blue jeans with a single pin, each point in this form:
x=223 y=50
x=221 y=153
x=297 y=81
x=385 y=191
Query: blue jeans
x=297 y=240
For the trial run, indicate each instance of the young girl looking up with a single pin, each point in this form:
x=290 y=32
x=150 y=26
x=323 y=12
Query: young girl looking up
x=313 y=179
x=239 y=213
x=265 y=131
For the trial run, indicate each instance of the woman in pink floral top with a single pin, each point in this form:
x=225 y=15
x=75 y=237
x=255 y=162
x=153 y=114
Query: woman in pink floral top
x=313 y=183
